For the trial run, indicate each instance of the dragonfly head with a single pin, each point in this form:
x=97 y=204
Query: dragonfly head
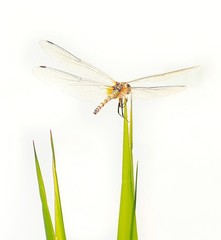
x=127 y=88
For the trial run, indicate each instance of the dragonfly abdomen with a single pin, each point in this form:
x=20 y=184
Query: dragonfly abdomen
x=113 y=95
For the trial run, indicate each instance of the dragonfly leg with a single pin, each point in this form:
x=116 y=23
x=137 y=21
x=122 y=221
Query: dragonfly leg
x=121 y=106
x=118 y=109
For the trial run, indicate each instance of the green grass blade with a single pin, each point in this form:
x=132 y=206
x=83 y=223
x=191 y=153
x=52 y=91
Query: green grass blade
x=131 y=127
x=49 y=231
x=133 y=222
x=59 y=223
x=127 y=220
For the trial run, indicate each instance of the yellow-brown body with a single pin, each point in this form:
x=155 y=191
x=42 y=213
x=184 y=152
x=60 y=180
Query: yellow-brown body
x=120 y=90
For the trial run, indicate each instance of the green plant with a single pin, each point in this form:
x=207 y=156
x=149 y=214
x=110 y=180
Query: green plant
x=127 y=228
x=59 y=232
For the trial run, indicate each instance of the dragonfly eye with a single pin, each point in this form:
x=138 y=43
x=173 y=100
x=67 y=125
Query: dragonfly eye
x=128 y=88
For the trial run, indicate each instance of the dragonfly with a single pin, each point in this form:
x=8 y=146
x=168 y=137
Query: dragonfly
x=88 y=82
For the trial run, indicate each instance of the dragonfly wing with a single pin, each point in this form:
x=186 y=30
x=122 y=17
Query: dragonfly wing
x=160 y=77
x=71 y=84
x=152 y=92
x=75 y=64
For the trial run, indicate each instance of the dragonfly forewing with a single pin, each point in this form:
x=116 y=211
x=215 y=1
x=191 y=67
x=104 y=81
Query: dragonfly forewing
x=172 y=75
x=75 y=64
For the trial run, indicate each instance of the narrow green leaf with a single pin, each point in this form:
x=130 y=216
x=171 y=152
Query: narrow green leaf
x=133 y=222
x=127 y=220
x=59 y=223
x=131 y=126
x=49 y=231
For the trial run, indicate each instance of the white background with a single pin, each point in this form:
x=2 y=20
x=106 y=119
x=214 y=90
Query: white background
x=177 y=139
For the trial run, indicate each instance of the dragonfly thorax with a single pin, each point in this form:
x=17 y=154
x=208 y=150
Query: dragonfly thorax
x=122 y=89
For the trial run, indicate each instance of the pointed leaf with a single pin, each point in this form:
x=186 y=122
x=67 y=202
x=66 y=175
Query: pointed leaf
x=133 y=222
x=127 y=220
x=49 y=231
x=59 y=223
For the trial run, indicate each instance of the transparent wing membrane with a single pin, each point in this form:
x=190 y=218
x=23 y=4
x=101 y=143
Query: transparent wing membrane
x=152 y=92
x=90 y=83
x=75 y=64
x=160 y=77
x=71 y=84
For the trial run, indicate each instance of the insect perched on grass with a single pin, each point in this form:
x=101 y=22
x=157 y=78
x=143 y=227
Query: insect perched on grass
x=88 y=82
